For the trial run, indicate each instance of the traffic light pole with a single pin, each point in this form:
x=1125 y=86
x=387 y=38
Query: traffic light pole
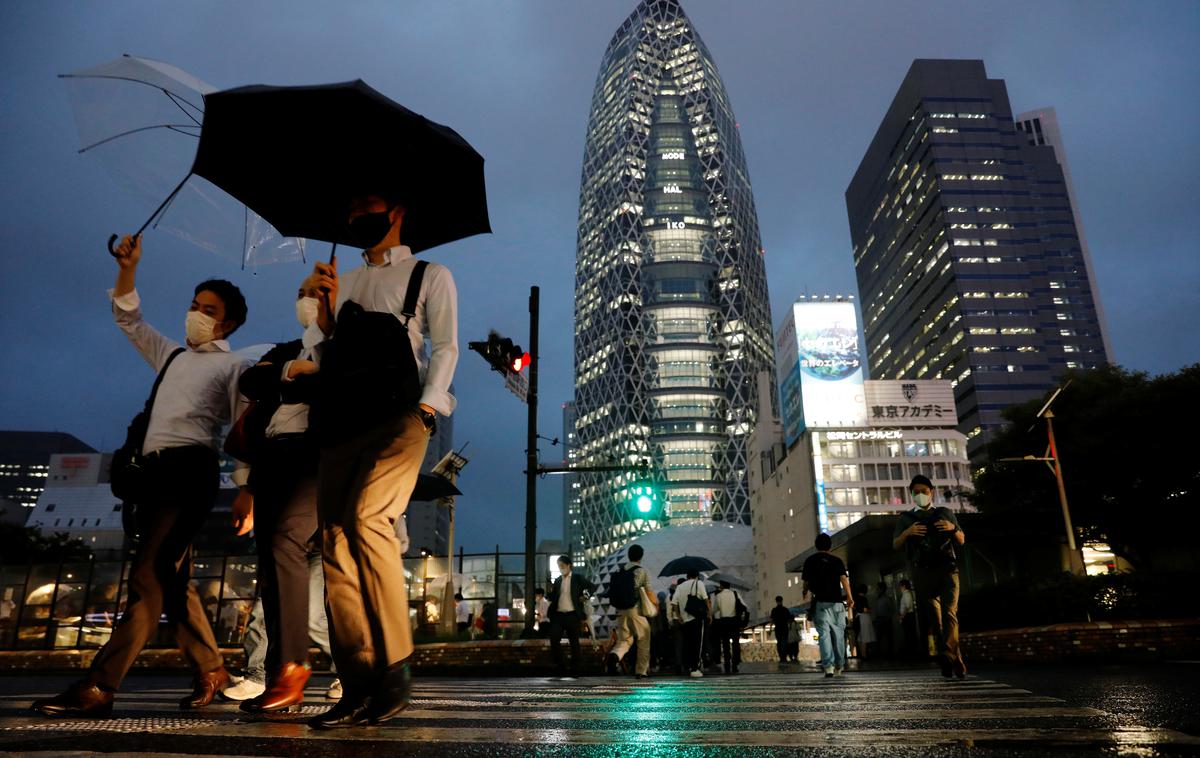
x=531 y=467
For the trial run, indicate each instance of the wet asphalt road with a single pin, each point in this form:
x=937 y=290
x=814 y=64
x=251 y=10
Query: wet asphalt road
x=1065 y=710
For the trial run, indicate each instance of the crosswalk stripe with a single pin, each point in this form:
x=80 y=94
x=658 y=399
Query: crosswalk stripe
x=693 y=714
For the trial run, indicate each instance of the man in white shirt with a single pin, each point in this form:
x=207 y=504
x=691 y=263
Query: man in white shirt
x=727 y=627
x=284 y=517
x=631 y=624
x=462 y=613
x=567 y=608
x=542 y=608
x=692 y=626
x=197 y=397
x=369 y=468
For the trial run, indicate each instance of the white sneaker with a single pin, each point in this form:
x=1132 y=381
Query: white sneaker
x=696 y=674
x=335 y=690
x=837 y=672
x=244 y=690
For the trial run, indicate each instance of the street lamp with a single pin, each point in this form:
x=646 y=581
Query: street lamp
x=1052 y=460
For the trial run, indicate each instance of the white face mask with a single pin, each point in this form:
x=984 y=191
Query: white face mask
x=306 y=310
x=200 y=328
x=922 y=500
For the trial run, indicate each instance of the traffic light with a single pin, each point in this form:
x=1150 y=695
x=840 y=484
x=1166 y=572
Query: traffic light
x=501 y=354
x=645 y=501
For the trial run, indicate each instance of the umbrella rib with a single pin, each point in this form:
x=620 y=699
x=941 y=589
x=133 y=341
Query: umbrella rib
x=197 y=108
x=176 y=99
x=172 y=127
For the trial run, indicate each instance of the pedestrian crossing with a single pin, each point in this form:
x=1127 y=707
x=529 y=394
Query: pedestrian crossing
x=785 y=711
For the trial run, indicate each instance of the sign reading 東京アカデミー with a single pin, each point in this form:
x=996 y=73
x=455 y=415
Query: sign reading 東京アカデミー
x=905 y=402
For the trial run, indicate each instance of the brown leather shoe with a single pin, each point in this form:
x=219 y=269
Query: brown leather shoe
x=284 y=690
x=205 y=688
x=81 y=699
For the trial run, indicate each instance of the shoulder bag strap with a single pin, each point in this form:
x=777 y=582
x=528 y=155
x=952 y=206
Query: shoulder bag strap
x=158 y=379
x=154 y=390
x=409 y=309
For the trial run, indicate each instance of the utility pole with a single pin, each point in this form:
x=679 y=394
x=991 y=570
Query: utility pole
x=531 y=466
x=1051 y=459
x=1075 y=556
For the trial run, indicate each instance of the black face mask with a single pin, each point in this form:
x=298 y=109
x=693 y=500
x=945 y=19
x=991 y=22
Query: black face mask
x=368 y=230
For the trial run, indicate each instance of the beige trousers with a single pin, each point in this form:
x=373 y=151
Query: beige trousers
x=632 y=625
x=364 y=488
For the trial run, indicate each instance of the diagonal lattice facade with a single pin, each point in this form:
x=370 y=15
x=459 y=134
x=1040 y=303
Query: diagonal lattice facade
x=672 y=320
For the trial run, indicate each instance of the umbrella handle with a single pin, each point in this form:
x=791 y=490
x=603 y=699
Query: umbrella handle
x=111 y=250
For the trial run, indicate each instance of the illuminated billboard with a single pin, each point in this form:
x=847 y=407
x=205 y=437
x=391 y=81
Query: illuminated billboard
x=822 y=382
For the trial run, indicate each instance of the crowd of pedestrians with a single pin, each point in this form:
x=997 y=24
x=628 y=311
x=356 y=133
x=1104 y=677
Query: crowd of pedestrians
x=329 y=431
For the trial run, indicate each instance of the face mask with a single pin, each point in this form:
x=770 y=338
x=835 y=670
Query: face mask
x=922 y=500
x=306 y=310
x=200 y=328
x=368 y=230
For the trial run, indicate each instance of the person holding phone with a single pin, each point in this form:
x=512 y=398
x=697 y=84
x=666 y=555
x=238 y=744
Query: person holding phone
x=930 y=537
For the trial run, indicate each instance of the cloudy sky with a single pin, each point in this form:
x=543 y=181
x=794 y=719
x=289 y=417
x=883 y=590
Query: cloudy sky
x=809 y=83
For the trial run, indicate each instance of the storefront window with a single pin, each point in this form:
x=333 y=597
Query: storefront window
x=840 y=450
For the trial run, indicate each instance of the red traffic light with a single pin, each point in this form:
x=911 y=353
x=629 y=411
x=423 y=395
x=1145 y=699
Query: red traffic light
x=520 y=362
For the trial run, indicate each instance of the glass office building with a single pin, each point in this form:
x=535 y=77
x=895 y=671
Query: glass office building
x=966 y=247
x=672 y=321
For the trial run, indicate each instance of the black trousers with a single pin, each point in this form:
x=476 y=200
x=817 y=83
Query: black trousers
x=729 y=632
x=693 y=640
x=182 y=483
x=284 y=483
x=569 y=623
x=781 y=643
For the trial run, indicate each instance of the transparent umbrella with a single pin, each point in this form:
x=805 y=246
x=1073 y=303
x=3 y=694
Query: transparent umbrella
x=140 y=119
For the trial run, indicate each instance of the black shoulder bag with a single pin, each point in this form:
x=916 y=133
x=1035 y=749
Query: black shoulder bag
x=368 y=373
x=127 y=473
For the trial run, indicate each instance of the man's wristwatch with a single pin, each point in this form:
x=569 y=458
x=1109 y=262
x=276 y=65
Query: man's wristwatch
x=428 y=418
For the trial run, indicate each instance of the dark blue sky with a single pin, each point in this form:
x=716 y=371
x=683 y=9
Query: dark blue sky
x=809 y=83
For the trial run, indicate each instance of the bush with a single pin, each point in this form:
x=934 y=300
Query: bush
x=1065 y=598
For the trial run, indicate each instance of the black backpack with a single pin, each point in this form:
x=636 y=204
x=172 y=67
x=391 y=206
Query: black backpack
x=621 y=590
x=740 y=611
x=368 y=374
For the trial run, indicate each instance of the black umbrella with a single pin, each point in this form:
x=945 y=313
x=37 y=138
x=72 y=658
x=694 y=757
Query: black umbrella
x=686 y=564
x=433 y=487
x=297 y=156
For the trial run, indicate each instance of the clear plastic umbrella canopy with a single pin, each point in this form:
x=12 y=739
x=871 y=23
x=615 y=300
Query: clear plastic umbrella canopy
x=140 y=119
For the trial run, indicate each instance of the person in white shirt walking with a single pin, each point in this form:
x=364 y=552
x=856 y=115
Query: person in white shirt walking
x=375 y=411
x=692 y=621
x=727 y=626
x=197 y=397
x=634 y=582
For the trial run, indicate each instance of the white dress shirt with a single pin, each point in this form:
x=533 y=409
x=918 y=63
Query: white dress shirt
x=290 y=418
x=565 y=604
x=381 y=288
x=682 y=591
x=724 y=605
x=198 y=396
x=462 y=612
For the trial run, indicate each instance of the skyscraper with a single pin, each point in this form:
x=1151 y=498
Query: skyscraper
x=1041 y=128
x=968 y=258
x=672 y=320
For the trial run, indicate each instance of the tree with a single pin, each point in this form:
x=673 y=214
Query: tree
x=1129 y=457
x=23 y=544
